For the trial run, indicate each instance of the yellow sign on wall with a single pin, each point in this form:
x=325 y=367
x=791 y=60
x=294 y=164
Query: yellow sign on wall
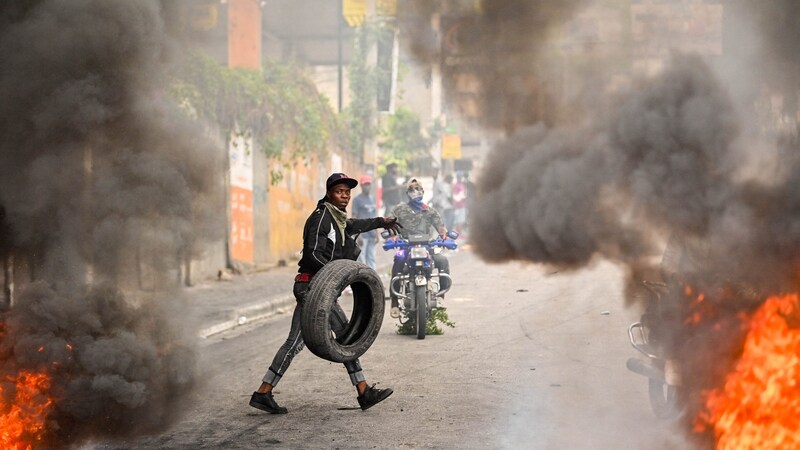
x=451 y=146
x=354 y=11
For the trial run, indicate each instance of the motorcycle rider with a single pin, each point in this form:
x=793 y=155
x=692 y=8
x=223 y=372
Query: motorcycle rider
x=418 y=218
x=327 y=236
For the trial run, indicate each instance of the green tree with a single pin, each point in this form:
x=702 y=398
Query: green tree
x=280 y=106
x=402 y=139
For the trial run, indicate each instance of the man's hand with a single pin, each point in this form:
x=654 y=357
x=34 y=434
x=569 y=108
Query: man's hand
x=392 y=225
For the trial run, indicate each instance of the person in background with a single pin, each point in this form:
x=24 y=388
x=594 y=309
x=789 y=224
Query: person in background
x=326 y=237
x=364 y=208
x=442 y=196
x=392 y=189
x=472 y=192
x=459 y=204
x=418 y=218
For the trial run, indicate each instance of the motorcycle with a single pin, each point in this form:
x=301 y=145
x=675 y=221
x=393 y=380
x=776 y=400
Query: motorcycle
x=664 y=387
x=417 y=286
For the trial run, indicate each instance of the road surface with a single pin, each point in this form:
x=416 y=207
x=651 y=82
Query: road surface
x=536 y=361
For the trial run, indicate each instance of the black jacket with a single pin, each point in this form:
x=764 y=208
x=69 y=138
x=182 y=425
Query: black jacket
x=323 y=242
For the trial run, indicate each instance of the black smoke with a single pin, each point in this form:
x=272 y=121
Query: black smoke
x=667 y=155
x=763 y=38
x=106 y=189
x=660 y=162
x=778 y=22
x=664 y=156
x=495 y=48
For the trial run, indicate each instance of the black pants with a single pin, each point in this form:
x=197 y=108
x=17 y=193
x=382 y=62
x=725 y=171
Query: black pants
x=294 y=343
x=439 y=261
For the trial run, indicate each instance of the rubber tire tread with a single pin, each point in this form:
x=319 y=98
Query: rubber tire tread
x=421 y=292
x=367 y=316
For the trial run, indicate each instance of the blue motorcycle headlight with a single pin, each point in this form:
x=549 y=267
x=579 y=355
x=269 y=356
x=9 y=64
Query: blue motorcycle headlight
x=419 y=253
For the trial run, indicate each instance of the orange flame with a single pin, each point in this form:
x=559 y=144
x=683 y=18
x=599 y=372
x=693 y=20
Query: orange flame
x=697 y=311
x=758 y=406
x=22 y=423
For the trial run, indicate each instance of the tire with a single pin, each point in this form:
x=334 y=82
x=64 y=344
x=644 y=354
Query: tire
x=367 y=316
x=663 y=399
x=420 y=296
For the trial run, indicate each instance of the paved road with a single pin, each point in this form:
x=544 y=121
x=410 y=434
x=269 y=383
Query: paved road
x=217 y=306
x=536 y=361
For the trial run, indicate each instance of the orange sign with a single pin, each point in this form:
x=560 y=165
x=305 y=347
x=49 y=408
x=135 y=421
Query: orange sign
x=240 y=154
x=241 y=224
x=451 y=146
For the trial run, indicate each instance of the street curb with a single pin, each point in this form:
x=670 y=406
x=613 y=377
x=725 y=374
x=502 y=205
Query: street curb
x=250 y=313
x=258 y=311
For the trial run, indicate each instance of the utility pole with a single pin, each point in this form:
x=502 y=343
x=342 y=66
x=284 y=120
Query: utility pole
x=244 y=51
x=339 y=80
x=436 y=88
x=370 y=154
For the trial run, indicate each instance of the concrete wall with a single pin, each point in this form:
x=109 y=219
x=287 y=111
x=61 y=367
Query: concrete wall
x=293 y=198
x=213 y=254
x=213 y=259
x=262 y=209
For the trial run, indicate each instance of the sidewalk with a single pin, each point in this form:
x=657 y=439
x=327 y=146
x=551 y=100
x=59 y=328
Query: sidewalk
x=222 y=305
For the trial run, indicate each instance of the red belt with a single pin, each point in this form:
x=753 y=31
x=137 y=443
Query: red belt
x=303 y=277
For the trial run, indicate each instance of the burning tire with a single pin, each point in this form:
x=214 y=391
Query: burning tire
x=365 y=321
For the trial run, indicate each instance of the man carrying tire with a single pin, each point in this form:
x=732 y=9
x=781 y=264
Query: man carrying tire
x=327 y=236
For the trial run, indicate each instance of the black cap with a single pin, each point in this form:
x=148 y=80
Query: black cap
x=339 y=178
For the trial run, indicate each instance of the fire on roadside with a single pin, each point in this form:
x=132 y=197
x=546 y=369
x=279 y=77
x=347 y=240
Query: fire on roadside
x=22 y=421
x=757 y=406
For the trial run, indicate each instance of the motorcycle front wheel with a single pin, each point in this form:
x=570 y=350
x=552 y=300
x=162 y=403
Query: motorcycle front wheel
x=663 y=399
x=420 y=295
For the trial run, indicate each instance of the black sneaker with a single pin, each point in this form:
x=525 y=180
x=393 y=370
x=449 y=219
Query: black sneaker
x=266 y=402
x=372 y=397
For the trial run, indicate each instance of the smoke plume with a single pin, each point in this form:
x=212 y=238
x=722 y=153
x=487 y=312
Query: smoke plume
x=508 y=83
x=104 y=187
x=665 y=155
x=779 y=24
x=764 y=36
x=566 y=195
